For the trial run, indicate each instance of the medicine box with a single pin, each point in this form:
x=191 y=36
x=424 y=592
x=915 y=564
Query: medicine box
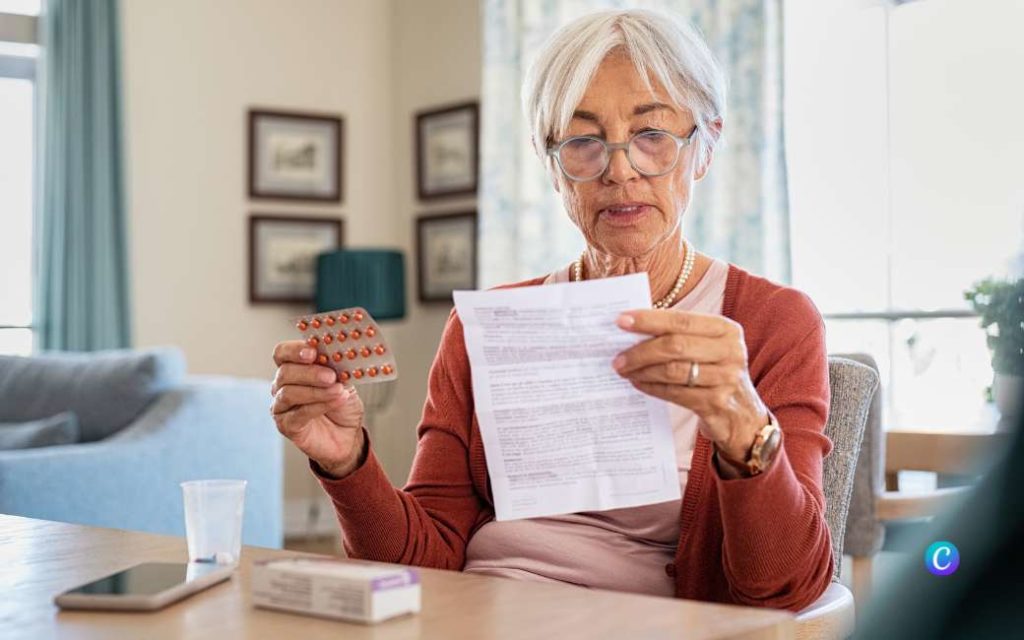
x=355 y=591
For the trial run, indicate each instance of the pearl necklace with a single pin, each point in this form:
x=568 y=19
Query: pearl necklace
x=670 y=299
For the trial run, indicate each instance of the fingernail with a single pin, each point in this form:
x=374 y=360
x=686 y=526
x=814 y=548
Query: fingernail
x=306 y=354
x=336 y=389
x=328 y=376
x=619 y=362
x=626 y=321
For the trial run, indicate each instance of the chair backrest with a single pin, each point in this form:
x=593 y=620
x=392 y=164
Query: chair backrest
x=864 y=533
x=853 y=386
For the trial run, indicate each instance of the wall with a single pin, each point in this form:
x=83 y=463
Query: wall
x=432 y=66
x=191 y=70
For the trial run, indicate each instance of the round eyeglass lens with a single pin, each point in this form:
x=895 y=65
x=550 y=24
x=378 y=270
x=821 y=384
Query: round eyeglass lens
x=653 y=152
x=583 y=158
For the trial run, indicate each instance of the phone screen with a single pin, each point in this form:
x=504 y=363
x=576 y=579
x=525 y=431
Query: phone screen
x=147 y=579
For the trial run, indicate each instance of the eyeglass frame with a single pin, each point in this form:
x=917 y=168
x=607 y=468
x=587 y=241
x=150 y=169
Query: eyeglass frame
x=611 y=147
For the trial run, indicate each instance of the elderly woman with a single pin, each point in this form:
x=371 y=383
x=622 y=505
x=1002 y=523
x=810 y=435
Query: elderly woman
x=626 y=108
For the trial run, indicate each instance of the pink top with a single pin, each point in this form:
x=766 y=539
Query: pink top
x=619 y=549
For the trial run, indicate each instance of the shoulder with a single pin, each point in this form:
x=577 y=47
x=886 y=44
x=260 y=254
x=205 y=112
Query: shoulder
x=453 y=336
x=780 y=323
x=522 y=283
x=784 y=334
x=763 y=306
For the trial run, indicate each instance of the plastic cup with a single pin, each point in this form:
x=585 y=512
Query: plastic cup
x=213 y=519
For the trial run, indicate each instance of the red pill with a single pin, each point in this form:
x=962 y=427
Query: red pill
x=372 y=371
x=355 y=334
x=344 y=376
x=321 y=359
x=379 y=350
x=302 y=326
x=342 y=336
x=316 y=323
x=313 y=341
x=329 y=320
x=328 y=339
x=336 y=356
x=386 y=369
x=358 y=373
x=343 y=319
x=370 y=332
x=358 y=316
x=365 y=352
x=351 y=354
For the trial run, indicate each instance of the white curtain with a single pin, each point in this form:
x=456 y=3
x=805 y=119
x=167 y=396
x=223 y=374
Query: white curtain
x=739 y=212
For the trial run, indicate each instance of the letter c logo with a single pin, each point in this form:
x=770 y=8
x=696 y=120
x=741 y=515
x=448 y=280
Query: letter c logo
x=942 y=558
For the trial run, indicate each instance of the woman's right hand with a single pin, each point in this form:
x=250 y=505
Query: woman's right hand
x=320 y=415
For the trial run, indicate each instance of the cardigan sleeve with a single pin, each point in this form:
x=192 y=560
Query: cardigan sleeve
x=777 y=549
x=429 y=521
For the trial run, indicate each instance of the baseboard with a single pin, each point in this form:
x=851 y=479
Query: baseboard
x=308 y=517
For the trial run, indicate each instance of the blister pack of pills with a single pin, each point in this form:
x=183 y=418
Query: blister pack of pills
x=350 y=342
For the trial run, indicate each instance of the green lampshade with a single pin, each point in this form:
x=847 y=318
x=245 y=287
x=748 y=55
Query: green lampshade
x=370 y=278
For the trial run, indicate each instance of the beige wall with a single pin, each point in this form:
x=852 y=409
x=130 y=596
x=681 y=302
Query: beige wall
x=192 y=69
x=437 y=54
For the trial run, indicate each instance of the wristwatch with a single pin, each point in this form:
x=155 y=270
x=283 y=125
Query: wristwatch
x=766 y=446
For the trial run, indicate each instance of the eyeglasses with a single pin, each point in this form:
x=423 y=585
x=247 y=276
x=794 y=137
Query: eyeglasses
x=651 y=152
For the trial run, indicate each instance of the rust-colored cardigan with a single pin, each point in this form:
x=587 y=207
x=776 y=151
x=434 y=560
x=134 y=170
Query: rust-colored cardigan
x=758 y=541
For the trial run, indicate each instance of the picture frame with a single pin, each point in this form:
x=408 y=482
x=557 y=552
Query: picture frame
x=446 y=254
x=296 y=156
x=448 y=151
x=282 y=255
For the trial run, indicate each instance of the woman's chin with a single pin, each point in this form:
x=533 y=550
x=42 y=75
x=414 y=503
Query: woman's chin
x=627 y=245
x=628 y=242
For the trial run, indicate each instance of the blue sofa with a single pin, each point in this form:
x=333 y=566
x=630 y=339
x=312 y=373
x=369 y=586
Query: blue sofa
x=177 y=428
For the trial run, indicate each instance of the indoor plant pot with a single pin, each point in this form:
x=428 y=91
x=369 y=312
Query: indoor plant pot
x=1000 y=303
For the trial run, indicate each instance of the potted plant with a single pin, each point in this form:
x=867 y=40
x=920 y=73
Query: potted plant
x=1000 y=303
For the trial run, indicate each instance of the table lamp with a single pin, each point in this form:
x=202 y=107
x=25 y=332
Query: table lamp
x=370 y=278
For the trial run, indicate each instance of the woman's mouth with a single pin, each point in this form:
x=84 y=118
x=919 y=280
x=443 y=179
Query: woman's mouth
x=624 y=215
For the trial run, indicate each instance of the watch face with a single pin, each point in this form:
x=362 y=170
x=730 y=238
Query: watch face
x=770 y=446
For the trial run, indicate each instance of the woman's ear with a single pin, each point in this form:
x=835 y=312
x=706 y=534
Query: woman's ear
x=715 y=132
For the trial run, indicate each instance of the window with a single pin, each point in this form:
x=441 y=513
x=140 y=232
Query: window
x=23 y=7
x=903 y=134
x=18 y=54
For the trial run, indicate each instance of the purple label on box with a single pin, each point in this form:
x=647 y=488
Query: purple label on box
x=395 y=581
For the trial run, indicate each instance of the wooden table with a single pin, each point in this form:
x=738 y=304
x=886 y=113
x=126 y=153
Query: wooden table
x=39 y=559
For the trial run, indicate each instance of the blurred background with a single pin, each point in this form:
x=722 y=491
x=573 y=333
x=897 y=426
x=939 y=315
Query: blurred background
x=871 y=159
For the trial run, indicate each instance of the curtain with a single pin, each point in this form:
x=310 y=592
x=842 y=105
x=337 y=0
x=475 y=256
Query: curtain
x=82 y=283
x=739 y=211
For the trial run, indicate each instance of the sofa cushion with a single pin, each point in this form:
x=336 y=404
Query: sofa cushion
x=59 y=429
x=105 y=389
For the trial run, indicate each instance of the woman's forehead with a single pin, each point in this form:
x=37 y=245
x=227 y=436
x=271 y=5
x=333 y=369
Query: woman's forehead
x=601 y=108
x=626 y=108
x=617 y=87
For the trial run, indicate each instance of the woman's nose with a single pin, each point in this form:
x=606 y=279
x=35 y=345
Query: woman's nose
x=619 y=169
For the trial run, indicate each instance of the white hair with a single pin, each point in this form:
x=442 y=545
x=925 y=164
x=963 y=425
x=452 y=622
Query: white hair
x=659 y=46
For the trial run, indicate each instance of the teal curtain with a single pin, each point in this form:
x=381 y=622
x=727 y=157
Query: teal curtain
x=82 y=286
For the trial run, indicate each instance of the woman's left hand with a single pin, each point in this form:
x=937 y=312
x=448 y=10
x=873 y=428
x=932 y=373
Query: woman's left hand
x=718 y=389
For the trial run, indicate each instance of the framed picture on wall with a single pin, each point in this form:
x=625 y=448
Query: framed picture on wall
x=282 y=255
x=445 y=255
x=447 y=151
x=295 y=156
